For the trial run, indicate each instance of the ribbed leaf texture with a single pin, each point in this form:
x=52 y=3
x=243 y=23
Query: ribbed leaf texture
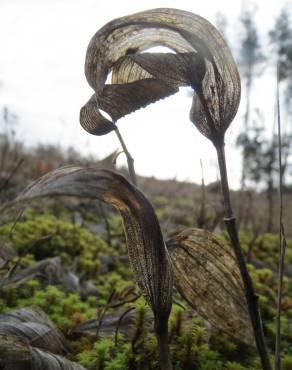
x=201 y=59
x=147 y=252
x=29 y=340
x=207 y=276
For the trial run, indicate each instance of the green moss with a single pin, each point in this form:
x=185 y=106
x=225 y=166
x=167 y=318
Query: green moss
x=287 y=362
x=193 y=344
x=48 y=236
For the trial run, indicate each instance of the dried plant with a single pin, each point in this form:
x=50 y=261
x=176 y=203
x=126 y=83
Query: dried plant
x=282 y=239
x=146 y=248
x=202 y=61
x=29 y=340
x=207 y=276
x=204 y=268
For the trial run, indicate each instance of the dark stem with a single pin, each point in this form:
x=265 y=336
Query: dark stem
x=103 y=312
x=130 y=159
x=201 y=216
x=163 y=349
x=282 y=241
x=124 y=314
x=106 y=223
x=251 y=297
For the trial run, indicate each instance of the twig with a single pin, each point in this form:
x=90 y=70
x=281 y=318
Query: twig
x=201 y=217
x=120 y=321
x=122 y=303
x=282 y=240
x=18 y=217
x=12 y=173
x=130 y=159
x=11 y=270
x=251 y=297
x=101 y=317
x=178 y=304
x=106 y=223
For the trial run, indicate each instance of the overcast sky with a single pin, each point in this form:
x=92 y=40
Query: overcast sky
x=43 y=45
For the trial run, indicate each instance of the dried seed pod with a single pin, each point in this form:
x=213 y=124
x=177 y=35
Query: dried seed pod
x=202 y=61
x=207 y=276
x=148 y=255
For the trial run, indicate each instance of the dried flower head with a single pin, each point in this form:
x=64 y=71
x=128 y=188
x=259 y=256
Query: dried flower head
x=201 y=60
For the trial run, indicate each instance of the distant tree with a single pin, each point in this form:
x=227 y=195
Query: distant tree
x=261 y=169
x=281 y=40
x=251 y=60
x=8 y=120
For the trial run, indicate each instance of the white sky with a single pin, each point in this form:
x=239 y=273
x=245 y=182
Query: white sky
x=43 y=45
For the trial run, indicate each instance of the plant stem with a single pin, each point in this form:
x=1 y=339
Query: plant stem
x=163 y=349
x=251 y=297
x=282 y=240
x=130 y=159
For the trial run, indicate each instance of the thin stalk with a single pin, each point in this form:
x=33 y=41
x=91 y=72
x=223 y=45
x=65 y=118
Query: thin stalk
x=282 y=242
x=130 y=159
x=12 y=173
x=251 y=297
x=201 y=217
x=163 y=349
x=124 y=314
x=106 y=222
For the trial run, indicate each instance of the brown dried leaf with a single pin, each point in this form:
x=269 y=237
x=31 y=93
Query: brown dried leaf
x=17 y=354
x=146 y=247
x=207 y=276
x=202 y=61
x=47 y=267
x=37 y=340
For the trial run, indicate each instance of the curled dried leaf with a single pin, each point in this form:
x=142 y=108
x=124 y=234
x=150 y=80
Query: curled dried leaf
x=147 y=253
x=207 y=276
x=17 y=354
x=30 y=340
x=201 y=60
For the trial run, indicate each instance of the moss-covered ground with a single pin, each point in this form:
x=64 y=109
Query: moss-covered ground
x=89 y=256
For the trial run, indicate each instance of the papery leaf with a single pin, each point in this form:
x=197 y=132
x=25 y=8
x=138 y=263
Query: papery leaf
x=119 y=100
x=207 y=276
x=29 y=340
x=201 y=60
x=17 y=354
x=146 y=247
x=35 y=327
x=42 y=360
x=93 y=121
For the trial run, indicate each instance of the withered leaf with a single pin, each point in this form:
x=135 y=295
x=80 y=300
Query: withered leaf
x=30 y=340
x=17 y=354
x=207 y=276
x=47 y=268
x=147 y=252
x=201 y=59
